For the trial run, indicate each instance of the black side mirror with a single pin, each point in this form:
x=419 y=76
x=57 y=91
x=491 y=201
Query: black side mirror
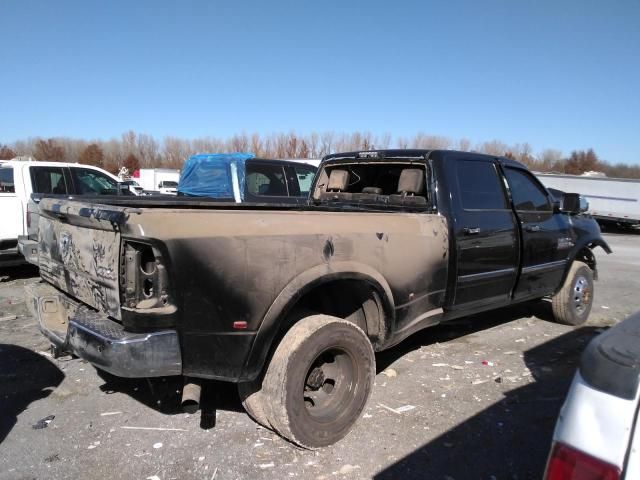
x=574 y=203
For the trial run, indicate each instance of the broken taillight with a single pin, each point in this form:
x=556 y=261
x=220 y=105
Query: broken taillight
x=566 y=463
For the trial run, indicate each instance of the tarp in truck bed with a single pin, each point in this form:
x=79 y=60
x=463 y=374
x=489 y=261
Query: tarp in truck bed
x=213 y=174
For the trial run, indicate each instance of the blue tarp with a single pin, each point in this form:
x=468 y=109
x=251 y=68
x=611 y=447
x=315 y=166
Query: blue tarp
x=213 y=175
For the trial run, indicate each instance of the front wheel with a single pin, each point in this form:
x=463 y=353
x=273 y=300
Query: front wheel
x=318 y=380
x=572 y=304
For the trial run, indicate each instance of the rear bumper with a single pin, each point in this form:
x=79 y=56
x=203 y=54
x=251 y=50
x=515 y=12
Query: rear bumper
x=101 y=341
x=28 y=249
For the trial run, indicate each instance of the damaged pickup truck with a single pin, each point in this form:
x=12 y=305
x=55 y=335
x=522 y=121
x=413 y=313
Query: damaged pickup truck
x=291 y=302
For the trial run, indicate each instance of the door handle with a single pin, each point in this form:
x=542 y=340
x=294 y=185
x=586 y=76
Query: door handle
x=471 y=231
x=532 y=228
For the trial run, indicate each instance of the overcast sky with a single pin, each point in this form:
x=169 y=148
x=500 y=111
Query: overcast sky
x=556 y=74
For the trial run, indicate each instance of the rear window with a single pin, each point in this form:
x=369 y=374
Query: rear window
x=305 y=179
x=267 y=180
x=480 y=187
x=48 y=180
x=6 y=180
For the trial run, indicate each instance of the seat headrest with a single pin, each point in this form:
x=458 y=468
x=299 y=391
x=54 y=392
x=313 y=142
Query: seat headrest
x=376 y=190
x=338 y=180
x=411 y=181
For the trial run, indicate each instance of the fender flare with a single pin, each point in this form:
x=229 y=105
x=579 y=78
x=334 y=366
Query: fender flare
x=586 y=243
x=296 y=289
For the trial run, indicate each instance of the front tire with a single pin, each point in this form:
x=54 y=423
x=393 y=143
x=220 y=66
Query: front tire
x=318 y=381
x=572 y=304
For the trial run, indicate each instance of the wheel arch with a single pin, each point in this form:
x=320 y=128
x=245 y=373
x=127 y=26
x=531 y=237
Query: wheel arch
x=318 y=280
x=583 y=252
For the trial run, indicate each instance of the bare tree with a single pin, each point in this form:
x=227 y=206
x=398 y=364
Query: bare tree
x=7 y=153
x=49 y=150
x=131 y=163
x=92 y=155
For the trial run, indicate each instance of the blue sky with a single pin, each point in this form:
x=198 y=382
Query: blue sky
x=556 y=74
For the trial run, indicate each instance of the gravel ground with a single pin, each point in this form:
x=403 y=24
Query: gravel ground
x=476 y=399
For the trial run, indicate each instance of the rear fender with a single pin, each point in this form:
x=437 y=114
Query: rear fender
x=296 y=289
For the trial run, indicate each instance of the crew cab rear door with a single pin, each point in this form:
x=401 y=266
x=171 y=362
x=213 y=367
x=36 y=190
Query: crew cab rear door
x=485 y=232
x=546 y=239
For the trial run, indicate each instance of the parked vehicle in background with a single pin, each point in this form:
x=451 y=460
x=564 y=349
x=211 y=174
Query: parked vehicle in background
x=597 y=434
x=241 y=177
x=158 y=180
x=19 y=179
x=291 y=301
x=611 y=200
x=133 y=186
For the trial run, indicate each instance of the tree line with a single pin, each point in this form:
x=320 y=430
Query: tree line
x=138 y=150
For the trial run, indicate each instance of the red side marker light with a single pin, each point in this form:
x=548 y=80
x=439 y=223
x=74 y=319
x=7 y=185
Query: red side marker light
x=565 y=463
x=240 y=325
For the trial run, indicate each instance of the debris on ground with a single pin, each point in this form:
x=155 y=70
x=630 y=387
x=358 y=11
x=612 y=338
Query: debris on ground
x=43 y=422
x=390 y=372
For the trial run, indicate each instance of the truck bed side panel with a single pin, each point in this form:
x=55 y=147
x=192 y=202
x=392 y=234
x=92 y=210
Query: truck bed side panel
x=230 y=265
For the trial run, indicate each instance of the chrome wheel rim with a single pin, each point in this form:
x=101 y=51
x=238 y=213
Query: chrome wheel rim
x=581 y=295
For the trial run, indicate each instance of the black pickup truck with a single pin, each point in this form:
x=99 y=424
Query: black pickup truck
x=291 y=302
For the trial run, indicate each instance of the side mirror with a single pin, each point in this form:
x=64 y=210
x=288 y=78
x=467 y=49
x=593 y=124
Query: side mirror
x=574 y=203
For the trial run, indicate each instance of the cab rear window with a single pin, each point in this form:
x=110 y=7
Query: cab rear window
x=6 y=180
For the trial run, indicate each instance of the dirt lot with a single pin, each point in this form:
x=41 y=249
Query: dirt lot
x=475 y=399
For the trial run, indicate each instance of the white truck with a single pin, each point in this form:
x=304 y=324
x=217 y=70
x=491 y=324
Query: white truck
x=19 y=179
x=611 y=200
x=162 y=180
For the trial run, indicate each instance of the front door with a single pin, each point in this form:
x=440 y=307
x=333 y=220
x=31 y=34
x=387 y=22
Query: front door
x=485 y=233
x=546 y=240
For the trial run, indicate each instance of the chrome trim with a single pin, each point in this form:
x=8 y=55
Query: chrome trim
x=544 y=266
x=491 y=274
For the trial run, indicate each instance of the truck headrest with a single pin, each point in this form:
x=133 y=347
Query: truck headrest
x=411 y=181
x=338 y=180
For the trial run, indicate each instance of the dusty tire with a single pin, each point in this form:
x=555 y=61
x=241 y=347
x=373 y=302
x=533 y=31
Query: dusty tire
x=572 y=304
x=253 y=401
x=319 y=380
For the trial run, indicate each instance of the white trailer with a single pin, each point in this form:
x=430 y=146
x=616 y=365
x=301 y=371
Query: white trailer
x=163 y=180
x=611 y=200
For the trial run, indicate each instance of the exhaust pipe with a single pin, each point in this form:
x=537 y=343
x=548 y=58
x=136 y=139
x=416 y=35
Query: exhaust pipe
x=191 y=395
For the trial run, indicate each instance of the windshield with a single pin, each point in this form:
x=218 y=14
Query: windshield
x=169 y=184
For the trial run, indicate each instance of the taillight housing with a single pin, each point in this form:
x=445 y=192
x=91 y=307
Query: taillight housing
x=28 y=219
x=144 y=287
x=566 y=463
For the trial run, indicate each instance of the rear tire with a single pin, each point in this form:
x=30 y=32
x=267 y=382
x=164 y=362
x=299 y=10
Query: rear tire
x=318 y=381
x=572 y=304
x=253 y=401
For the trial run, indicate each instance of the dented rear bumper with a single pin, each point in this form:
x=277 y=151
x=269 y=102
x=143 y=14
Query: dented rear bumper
x=100 y=340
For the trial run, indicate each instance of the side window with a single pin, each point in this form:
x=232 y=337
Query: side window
x=526 y=193
x=479 y=185
x=89 y=181
x=305 y=178
x=6 y=180
x=267 y=180
x=48 y=180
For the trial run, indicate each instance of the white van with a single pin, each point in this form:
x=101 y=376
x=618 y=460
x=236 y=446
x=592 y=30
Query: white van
x=20 y=178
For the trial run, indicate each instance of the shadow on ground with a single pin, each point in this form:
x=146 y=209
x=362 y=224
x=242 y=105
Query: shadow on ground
x=511 y=438
x=25 y=376
x=464 y=326
x=164 y=394
x=18 y=272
